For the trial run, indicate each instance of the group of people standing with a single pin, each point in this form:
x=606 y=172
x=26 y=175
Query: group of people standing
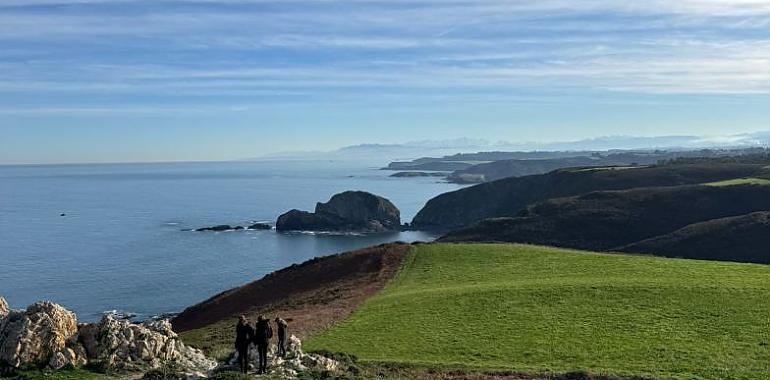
x=260 y=336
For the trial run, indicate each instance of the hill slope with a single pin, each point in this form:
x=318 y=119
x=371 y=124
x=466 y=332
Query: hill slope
x=536 y=309
x=314 y=295
x=606 y=220
x=506 y=197
x=742 y=238
x=495 y=170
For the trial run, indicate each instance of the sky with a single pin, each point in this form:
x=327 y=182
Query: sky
x=164 y=80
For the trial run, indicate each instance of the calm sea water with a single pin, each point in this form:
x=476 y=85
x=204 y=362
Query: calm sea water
x=121 y=245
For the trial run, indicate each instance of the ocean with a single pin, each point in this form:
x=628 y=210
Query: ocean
x=121 y=244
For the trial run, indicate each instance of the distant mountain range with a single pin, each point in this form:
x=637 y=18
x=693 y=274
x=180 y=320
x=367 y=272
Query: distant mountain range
x=415 y=149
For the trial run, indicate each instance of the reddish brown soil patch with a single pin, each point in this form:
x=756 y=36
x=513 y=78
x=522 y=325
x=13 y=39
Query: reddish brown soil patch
x=314 y=295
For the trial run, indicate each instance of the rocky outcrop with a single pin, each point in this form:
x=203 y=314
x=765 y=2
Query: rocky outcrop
x=227 y=227
x=219 y=228
x=121 y=344
x=292 y=364
x=48 y=334
x=260 y=226
x=418 y=174
x=4 y=309
x=351 y=211
x=35 y=335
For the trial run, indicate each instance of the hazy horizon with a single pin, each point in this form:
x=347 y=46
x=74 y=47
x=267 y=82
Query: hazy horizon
x=198 y=80
x=380 y=153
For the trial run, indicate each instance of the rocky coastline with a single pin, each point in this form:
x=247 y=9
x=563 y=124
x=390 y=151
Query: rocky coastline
x=48 y=335
x=45 y=335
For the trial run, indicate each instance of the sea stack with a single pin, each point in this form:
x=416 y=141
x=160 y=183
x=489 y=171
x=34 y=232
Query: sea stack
x=351 y=211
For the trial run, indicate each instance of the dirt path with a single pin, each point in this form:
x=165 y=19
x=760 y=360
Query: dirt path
x=314 y=295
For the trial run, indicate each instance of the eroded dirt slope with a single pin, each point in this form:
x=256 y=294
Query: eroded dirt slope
x=314 y=294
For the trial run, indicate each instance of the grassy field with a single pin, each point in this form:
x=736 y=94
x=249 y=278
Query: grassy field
x=606 y=168
x=741 y=181
x=535 y=309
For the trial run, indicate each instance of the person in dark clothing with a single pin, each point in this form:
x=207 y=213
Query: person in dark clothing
x=283 y=336
x=262 y=337
x=244 y=334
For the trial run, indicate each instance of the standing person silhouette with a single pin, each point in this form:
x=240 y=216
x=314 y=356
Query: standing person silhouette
x=244 y=334
x=262 y=337
x=283 y=335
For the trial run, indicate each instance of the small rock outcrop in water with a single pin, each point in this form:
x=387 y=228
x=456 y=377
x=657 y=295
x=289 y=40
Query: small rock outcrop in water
x=260 y=226
x=418 y=174
x=48 y=334
x=227 y=227
x=351 y=211
x=223 y=227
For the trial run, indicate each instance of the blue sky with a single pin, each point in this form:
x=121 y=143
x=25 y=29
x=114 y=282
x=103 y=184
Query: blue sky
x=110 y=80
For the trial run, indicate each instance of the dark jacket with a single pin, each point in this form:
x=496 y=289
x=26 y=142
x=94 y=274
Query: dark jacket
x=263 y=332
x=244 y=334
x=283 y=330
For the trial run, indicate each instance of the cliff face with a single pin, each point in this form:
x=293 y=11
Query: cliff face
x=642 y=220
x=355 y=211
x=508 y=197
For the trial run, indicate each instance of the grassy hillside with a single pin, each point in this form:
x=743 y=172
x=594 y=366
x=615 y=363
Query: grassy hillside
x=535 y=309
x=742 y=181
x=741 y=238
x=608 y=220
x=507 y=197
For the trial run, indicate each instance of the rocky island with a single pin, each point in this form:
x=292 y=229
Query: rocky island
x=351 y=211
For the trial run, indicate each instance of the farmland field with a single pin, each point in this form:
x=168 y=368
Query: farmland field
x=537 y=309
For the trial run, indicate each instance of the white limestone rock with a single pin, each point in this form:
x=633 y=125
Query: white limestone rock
x=35 y=335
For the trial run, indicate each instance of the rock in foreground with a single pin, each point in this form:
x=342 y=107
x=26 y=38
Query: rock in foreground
x=121 y=344
x=4 y=309
x=37 y=335
x=46 y=334
x=351 y=211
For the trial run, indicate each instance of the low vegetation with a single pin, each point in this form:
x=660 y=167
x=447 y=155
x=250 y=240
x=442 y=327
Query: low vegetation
x=742 y=181
x=540 y=310
x=66 y=374
x=509 y=196
x=740 y=238
x=615 y=220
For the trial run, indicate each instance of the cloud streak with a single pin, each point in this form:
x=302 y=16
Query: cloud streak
x=190 y=51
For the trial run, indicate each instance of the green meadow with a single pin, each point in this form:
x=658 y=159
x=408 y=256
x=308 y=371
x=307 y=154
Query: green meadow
x=537 y=309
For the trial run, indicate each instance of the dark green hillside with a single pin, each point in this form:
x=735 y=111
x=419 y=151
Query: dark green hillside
x=607 y=220
x=493 y=171
x=496 y=170
x=741 y=238
x=507 y=197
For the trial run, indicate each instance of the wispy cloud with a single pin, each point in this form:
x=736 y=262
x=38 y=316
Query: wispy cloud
x=58 y=52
